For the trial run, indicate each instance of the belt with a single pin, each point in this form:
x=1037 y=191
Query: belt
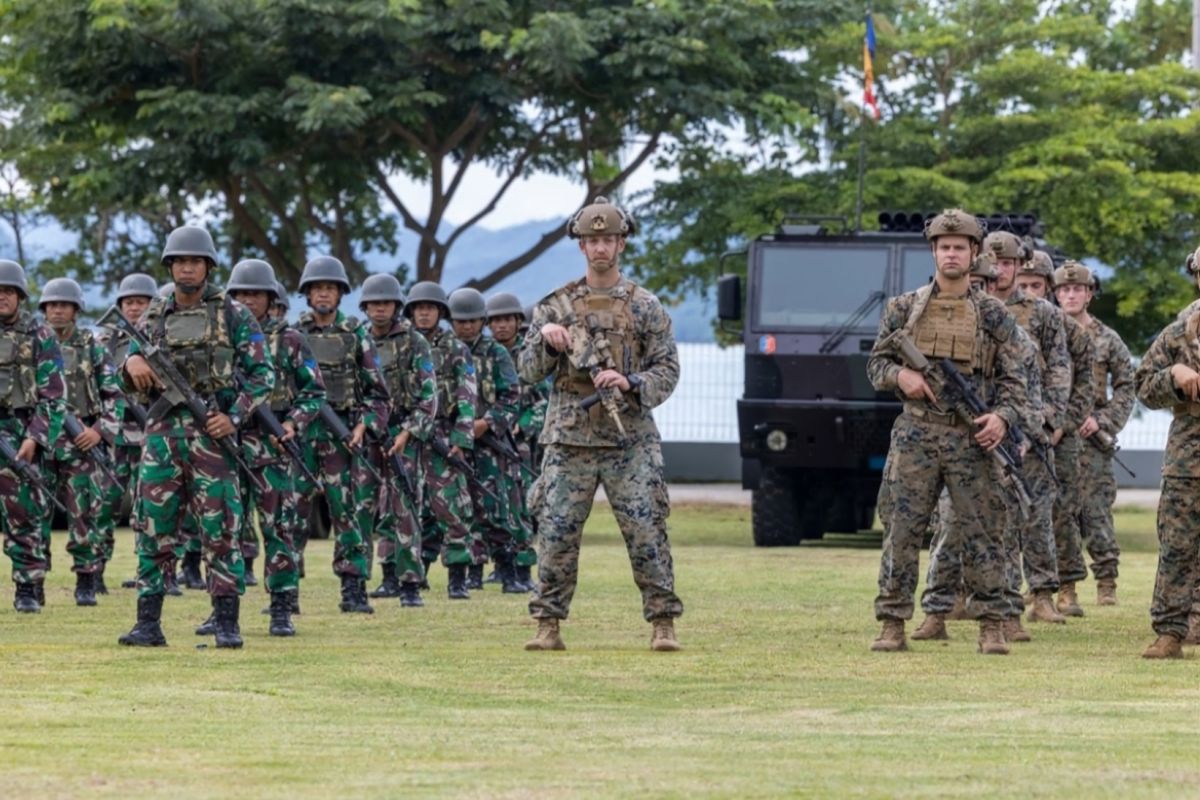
x=926 y=414
x=1186 y=409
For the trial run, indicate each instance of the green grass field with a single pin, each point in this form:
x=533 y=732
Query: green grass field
x=775 y=694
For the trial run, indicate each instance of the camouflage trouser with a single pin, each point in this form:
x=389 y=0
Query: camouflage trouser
x=562 y=500
x=446 y=514
x=248 y=536
x=1035 y=550
x=1067 y=504
x=924 y=457
x=1178 y=555
x=332 y=465
x=398 y=524
x=22 y=509
x=187 y=540
x=1096 y=517
x=189 y=477
x=943 y=579
x=499 y=525
x=82 y=487
x=274 y=508
x=522 y=523
x=367 y=494
x=125 y=464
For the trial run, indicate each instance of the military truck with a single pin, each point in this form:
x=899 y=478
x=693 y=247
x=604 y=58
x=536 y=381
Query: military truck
x=813 y=432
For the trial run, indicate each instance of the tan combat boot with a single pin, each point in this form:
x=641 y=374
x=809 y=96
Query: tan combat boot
x=1193 y=634
x=959 y=611
x=1106 y=592
x=1043 y=609
x=933 y=627
x=1068 y=601
x=1014 y=631
x=1165 y=646
x=891 y=638
x=662 y=638
x=547 y=637
x=991 y=638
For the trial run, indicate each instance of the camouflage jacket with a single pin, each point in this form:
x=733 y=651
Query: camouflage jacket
x=1083 y=378
x=1007 y=386
x=457 y=387
x=1044 y=325
x=249 y=359
x=411 y=381
x=499 y=386
x=105 y=387
x=531 y=408
x=129 y=433
x=1033 y=414
x=1112 y=363
x=41 y=363
x=369 y=387
x=296 y=373
x=657 y=367
x=1178 y=343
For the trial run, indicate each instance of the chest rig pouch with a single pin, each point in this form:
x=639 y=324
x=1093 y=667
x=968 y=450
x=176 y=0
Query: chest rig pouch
x=949 y=328
x=199 y=342
x=485 y=373
x=395 y=358
x=335 y=350
x=443 y=371
x=283 y=393
x=1100 y=366
x=18 y=372
x=80 y=376
x=602 y=320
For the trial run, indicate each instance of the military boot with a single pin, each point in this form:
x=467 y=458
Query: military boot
x=192 y=578
x=932 y=627
x=1014 y=631
x=428 y=562
x=39 y=592
x=1193 y=634
x=991 y=638
x=456 y=588
x=209 y=626
x=281 y=614
x=85 y=589
x=508 y=574
x=101 y=587
x=148 y=630
x=130 y=584
x=959 y=611
x=475 y=576
x=1106 y=592
x=547 y=637
x=170 y=582
x=1068 y=601
x=891 y=638
x=354 y=596
x=248 y=573
x=525 y=577
x=410 y=595
x=390 y=587
x=662 y=636
x=1043 y=609
x=1165 y=646
x=229 y=634
x=493 y=577
x=25 y=599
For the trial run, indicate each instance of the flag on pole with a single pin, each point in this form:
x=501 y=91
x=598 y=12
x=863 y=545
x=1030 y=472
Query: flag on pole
x=869 y=68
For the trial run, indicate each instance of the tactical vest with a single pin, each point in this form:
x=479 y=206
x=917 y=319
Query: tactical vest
x=395 y=359
x=1188 y=346
x=1022 y=311
x=949 y=328
x=443 y=370
x=485 y=374
x=18 y=366
x=198 y=341
x=1100 y=366
x=79 y=374
x=283 y=393
x=615 y=319
x=117 y=345
x=336 y=352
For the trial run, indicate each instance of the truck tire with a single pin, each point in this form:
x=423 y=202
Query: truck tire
x=774 y=512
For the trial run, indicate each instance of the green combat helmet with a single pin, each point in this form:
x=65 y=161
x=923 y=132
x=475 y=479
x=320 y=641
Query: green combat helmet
x=327 y=269
x=503 y=304
x=13 y=274
x=1002 y=244
x=252 y=275
x=466 y=304
x=137 y=284
x=427 y=292
x=381 y=288
x=954 y=222
x=1040 y=264
x=601 y=218
x=189 y=240
x=61 y=290
x=1072 y=272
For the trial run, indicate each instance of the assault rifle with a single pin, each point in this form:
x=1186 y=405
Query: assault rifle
x=97 y=455
x=270 y=424
x=592 y=353
x=28 y=473
x=442 y=449
x=1107 y=444
x=340 y=432
x=505 y=450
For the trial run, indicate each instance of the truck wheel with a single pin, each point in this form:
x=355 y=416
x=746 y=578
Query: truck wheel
x=774 y=512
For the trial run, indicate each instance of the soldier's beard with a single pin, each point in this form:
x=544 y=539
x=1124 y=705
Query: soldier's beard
x=602 y=265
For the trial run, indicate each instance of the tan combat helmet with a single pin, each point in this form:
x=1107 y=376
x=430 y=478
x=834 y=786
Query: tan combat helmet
x=601 y=218
x=1040 y=264
x=1002 y=244
x=1192 y=264
x=1072 y=272
x=954 y=222
x=984 y=266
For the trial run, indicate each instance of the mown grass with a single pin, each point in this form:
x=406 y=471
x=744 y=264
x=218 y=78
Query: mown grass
x=775 y=694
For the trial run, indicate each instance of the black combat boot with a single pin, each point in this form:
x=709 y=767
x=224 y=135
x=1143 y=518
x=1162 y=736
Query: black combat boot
x=248 y=574
x=129 y=584
x=281 y=614
x=148 y=630
x=457 y=586
x=39 y=592
x=507 y=567
x=25 y=599
x=525 y=577
x=428 y=562
x=226 y=610
x=192 y=578
x=209 y=626
x=100 y=586
x=410 y=595
x=354 y=596
x=475 y=577
x=390 y=587
x=85 y=589
x=493 y=577
x=170 y=580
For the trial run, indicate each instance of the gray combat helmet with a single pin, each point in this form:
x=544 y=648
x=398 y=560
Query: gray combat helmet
x=426 y=292
x=190 y=240
x=502 y=304
x=252 y=275
x=467 y=304
x=281 y=296
x=381 y=288
x=13 y=274
x=61 y=290
x=324 y=268
x=137 y=284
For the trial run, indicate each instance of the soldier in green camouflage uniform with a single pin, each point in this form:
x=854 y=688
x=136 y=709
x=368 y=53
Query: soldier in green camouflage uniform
x=184 y=468
x=446 y=511
x=506 y=318
x=32 y=391
x=94 y=398
x=602 y=334
x=356 y=392
x=407 y=366
x=1113 y=364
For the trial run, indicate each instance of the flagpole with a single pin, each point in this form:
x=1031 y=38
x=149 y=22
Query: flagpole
x=862 y=171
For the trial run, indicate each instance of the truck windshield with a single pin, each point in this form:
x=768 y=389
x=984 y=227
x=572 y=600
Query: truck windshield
x=817 y=287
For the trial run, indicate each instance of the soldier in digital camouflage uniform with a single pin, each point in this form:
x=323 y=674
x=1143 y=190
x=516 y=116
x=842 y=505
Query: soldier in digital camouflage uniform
x=1113 y=366
x=506 y=320
x=407 y=366
x=184 y=469
x=932 y=447
x=355 y=390
x=133 y=298
x=1192 y=265
x=32 y=391
x=94 y=398
x=614 y=443
x=446 y=509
